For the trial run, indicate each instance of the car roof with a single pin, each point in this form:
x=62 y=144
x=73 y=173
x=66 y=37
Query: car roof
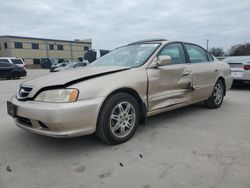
x=148 y=41
x=160 y=40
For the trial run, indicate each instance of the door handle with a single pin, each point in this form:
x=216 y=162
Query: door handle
x=186 y=73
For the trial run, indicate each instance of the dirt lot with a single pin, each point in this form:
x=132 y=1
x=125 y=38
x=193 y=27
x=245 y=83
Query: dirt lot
x=188 y=147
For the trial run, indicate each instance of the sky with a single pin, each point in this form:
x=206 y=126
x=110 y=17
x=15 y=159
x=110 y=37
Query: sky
x=112 y=23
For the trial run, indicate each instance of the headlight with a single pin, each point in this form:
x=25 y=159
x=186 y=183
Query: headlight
x=58 y=95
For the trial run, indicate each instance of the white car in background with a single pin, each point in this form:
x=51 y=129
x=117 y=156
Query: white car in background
x=13 y=60
x=240 y=68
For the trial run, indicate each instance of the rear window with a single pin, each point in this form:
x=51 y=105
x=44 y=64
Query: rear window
x=4 y=61
x=17 y=61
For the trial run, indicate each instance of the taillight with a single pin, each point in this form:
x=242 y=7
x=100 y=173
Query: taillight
x=247 y=67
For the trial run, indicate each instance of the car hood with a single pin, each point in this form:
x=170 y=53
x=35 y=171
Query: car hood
x=69 y=77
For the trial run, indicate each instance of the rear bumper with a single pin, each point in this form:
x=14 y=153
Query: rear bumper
x=241 y=75
x=58 y=119
x=229 y=82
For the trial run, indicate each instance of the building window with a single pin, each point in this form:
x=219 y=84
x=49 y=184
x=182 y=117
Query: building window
x=86 y=48
x=35 y=46
x=51 y=46
x=5 y=45
x=18 y=45
x=36 y=61
x=59 y=47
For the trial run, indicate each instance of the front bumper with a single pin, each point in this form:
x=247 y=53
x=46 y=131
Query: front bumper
x=58 y=119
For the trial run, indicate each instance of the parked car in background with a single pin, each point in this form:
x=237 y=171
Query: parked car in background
x=118 y=91
x=46 y=63
x=14 y=60
x=70 y=65
x=240 y=68
x=10 y=70
x=92 y=55
x=57 y=65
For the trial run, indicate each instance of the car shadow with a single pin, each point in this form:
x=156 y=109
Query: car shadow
x=242 y=86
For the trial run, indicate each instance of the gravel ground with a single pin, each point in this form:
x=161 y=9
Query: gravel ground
x=188 y=147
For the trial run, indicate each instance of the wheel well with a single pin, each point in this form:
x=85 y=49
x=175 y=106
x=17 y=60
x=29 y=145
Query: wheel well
x=224 y=83
x=133 y=93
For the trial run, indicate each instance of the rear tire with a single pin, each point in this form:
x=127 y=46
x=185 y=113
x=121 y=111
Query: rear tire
x=216 y=99
x=118 y=119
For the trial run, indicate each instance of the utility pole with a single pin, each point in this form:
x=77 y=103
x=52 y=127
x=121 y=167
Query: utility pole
x=207 y=44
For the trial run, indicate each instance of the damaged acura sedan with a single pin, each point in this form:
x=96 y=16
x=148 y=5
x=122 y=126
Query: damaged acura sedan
x=114 y=94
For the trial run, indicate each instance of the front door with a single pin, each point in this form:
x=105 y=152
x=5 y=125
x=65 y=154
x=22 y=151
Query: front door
x=170 y=84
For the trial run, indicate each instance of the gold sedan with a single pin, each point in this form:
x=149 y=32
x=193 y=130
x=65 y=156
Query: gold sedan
x=115 y=93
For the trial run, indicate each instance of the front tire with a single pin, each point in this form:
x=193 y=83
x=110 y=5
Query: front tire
x=118 y=119
x=15 y=75
x=216 y=99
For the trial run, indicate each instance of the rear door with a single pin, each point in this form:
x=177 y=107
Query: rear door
x=170 y=84
x=204 y=72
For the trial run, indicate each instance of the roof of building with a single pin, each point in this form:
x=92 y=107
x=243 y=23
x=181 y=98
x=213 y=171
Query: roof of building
x=88 y=41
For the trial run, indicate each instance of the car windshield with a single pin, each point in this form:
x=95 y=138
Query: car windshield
x=17 y=61
x=127 y=56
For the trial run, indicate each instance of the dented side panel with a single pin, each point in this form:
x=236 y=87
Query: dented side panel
x=168 y=85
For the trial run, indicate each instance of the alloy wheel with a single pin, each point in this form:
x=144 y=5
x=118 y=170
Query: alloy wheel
x=218 y=93
x=122 y=119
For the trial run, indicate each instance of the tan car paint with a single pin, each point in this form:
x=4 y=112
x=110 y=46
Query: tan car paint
x=160 y=89
x=168 y=85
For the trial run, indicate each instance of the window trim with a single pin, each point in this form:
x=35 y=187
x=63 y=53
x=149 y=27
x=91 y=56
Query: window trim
x=207 y=52
x=186 y=58
x=184 y=44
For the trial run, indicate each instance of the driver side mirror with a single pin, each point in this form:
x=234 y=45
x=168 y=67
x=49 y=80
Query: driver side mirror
x=163 y=60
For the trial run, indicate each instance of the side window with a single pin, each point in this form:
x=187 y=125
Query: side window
x=210 y=57
x=4 y=61
x=175 y=51
x=5 y=64
x=196 y=54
